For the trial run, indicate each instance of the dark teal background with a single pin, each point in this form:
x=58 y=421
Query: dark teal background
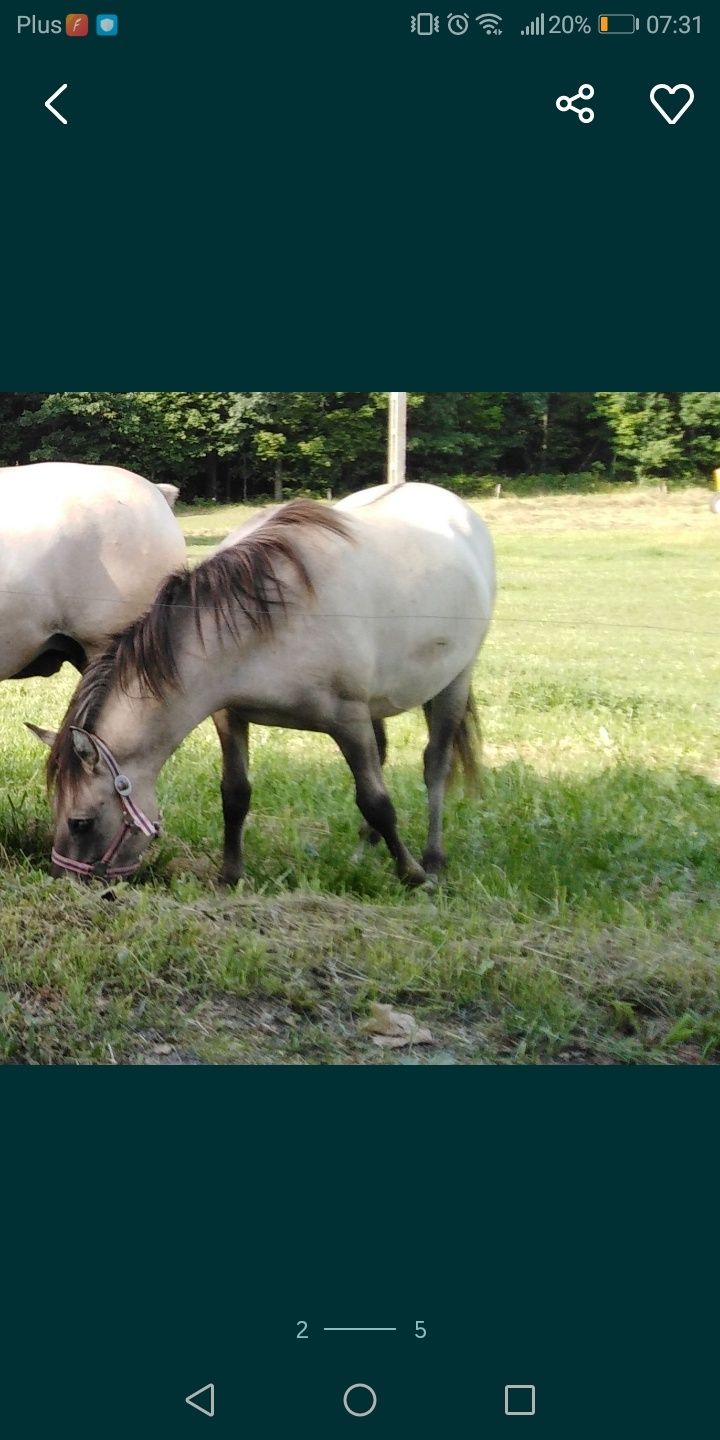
x=293 y=196
x=165 y=1229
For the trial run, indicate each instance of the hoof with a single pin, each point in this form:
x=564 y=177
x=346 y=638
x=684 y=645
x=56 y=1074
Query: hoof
x=229 y=878
x=413 y=876
x=434 y=862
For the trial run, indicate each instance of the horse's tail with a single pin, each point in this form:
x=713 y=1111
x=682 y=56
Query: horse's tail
x=467 y=747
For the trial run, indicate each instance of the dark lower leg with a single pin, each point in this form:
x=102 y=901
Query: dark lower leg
x=359 y=746
x=444 y=714
x=436 y=763
x=235 y=790
x=374 y=837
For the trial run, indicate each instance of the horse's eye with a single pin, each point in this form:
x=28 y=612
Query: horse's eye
x=79 y=827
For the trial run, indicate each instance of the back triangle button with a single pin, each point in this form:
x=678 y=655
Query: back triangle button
x=203 y=1400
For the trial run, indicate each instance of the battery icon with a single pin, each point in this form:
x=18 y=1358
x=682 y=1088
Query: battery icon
x=618 y=24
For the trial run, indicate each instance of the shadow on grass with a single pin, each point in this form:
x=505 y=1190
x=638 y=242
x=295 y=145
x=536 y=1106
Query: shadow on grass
x=577 y=924
x=622 y=834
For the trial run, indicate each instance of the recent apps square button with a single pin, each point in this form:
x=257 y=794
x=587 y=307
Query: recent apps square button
x=519 y=1399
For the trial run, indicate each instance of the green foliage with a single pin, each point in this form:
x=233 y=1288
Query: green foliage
x=647 y=433
x=230 y=445
x=700 y=416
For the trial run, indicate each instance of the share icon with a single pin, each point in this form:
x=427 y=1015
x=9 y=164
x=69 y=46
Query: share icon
x=584 y=113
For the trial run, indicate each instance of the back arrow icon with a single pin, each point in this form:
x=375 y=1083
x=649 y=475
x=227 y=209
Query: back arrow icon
x=207 y=1394
x=49 y=105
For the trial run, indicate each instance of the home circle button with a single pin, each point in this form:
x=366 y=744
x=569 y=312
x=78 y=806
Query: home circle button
x=360 y=1400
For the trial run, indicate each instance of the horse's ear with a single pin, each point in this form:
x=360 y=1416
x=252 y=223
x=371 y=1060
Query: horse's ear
x=85 y=749
x=46 y=736
x=169 y=493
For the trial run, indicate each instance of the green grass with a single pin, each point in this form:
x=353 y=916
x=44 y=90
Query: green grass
x=580 y=916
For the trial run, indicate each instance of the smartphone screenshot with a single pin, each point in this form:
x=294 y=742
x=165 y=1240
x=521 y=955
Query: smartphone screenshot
x=359 y=806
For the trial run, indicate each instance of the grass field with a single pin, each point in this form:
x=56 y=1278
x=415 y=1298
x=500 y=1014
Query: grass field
x=580 y=916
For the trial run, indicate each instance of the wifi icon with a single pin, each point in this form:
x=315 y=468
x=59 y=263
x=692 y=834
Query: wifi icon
x=490 y=23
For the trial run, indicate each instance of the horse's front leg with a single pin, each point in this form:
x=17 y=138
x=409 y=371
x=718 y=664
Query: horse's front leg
x=236 y=790
x=366 y=832
x=353 y=732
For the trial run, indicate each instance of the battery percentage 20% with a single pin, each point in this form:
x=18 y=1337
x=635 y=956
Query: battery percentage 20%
x=569 y=25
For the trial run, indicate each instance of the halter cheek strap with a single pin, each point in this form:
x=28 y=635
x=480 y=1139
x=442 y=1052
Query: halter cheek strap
x=133 y=820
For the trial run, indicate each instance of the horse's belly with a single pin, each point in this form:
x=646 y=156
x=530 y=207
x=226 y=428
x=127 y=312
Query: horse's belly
x=26 y=620
x=20 y=643
x=427 y=668
x=435 y=636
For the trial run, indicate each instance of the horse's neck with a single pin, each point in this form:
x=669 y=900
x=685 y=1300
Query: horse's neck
x=144 y=731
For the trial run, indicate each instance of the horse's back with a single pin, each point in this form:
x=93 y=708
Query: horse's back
x=42 y=496
x=83 y=549
x=410 y=511
x=424 y=506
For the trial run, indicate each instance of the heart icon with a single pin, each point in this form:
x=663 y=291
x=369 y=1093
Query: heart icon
x=672 y=90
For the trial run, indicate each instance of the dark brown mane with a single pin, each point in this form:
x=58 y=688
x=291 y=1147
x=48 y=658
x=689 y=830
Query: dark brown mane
x=241 y=580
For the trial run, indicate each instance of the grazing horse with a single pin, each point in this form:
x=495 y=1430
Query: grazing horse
x=83 y=549
x=317 y=618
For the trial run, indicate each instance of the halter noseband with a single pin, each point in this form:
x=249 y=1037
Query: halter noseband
x=133 y=819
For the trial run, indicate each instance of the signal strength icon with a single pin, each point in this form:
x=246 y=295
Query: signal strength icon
x=490 y=23
x=536 y=26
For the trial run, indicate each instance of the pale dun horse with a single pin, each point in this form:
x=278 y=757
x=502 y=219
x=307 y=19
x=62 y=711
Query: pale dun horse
x=320 y=619
x=83 y=549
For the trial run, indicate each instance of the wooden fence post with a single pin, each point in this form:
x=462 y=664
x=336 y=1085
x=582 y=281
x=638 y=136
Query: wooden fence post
x=397 y=436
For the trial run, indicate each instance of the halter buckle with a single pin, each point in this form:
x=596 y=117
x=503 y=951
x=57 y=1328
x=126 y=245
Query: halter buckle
x=123 y=784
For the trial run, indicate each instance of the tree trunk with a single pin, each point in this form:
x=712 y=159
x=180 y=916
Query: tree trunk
x=211 y=475
x=544 y=426
x=277 y=483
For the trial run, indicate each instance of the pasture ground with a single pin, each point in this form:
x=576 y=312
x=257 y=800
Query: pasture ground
x=580 y=915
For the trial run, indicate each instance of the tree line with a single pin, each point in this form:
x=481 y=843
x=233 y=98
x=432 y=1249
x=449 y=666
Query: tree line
x=234 y=445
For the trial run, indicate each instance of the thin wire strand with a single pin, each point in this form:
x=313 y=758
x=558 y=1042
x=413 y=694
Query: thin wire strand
x=577 y=623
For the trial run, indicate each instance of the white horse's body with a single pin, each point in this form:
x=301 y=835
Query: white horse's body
x=428 y=573
x=319 y=619
x=83 y=549
x=396 y=615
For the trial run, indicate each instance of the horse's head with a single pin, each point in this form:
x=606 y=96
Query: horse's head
x=102 y=814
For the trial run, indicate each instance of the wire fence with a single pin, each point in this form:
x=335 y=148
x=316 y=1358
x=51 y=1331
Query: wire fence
x=559 y=622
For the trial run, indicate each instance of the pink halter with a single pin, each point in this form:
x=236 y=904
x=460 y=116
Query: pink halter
x=133 y=819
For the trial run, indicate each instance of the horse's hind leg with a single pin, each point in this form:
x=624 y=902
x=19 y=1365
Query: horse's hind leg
x=233 y=734
x=354 y=734
x=444 y=715
x=374 y=837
